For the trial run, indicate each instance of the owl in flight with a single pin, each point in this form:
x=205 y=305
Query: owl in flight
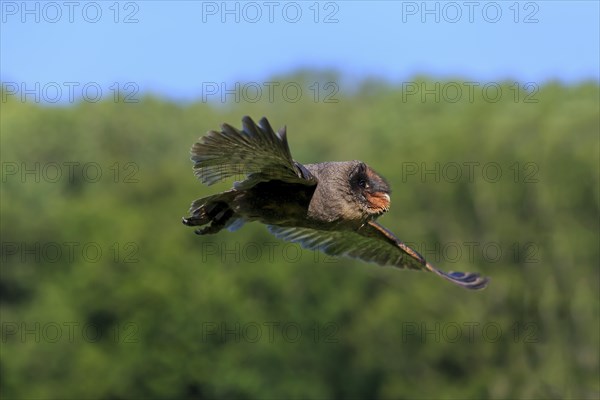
x=329 y=206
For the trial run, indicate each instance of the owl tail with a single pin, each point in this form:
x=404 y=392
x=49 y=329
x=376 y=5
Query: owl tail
x=214 y=212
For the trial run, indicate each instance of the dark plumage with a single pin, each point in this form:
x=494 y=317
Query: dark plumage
x=329 y=206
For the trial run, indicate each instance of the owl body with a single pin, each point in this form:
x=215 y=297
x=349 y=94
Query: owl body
x=328 y=206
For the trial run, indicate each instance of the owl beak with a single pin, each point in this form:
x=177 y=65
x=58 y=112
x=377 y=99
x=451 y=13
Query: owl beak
x=386 y=197
x=379 y=201
x=385 y=200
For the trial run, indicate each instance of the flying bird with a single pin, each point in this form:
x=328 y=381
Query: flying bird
x=328 y=206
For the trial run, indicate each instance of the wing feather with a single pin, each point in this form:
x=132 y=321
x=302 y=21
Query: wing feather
x=256 y=152
x=372 y=243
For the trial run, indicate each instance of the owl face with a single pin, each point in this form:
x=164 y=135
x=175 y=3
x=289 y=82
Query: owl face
x=370 y=190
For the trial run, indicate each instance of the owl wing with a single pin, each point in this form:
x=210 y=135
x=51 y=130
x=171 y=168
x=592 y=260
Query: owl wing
x=372 y=243
x=256 y=152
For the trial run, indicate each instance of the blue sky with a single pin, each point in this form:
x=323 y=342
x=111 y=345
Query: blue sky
x=172 y=48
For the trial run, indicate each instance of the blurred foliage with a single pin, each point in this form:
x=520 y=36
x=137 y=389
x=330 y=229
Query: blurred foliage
x=163 y=313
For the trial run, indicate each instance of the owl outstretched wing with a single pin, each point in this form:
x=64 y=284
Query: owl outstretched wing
x=255 y=152
x=373 y=243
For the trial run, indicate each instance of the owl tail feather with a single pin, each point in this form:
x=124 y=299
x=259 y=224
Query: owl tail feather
x=214 y=212
x=468 y=280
